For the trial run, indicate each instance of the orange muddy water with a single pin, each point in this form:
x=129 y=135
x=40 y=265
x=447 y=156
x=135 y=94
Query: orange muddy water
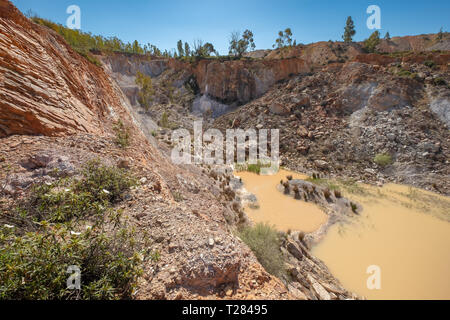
x=278 y=209
x=404 y=231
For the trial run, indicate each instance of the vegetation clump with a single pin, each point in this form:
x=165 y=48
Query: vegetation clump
x=66 y=199
x=254 y=168
x=164 y=122
x=439 y=82
x=383 y=159
x=430 y=63
x=86 y=43
x=146 y=91
x=72 y=223
x=241 y=44
x=349 y=31
x=122 y=134
x=284 y=39
x=265 y=243
x=371 y=44
x=404 y=74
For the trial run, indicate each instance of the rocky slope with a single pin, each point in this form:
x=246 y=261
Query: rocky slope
x=336 y=120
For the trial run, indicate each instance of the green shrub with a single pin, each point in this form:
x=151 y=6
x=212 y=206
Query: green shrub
x=429 y=63
x=103 y=181
x=439 y=82
x=34 y=266
x=265 y=243
x=254 y=168
x=354 y=207
x=88 y=57
x=372 y=42
x=164 y=122
x=122 y=134
x=83 y=42
x=383 y=159
x=177 y=196
x=38 y=239
x=55 y=203
x=67 y=199
x=404 y=74
x=146 y=91
x=323 y=182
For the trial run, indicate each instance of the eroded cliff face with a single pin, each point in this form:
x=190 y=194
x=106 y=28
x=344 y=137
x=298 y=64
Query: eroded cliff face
x=47 y=88
x=238 y=82
x=222 y=84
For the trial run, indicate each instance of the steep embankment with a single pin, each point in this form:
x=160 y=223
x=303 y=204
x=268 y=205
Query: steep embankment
x=218 y=86
x=46 y=88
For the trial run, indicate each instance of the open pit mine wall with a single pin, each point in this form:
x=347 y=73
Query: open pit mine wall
x=224 y=84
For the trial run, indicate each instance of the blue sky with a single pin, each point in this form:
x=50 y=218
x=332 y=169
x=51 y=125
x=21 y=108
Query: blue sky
x=163 y=23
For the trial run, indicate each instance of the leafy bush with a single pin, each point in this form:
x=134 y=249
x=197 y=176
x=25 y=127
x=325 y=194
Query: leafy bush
x=371 y=44
x=103 y=181
x=122 y=134
x=34 y=265
x=429 y=63
x=146 y=92
x=383 y=159
x=67 y=199
x=439 y=82
x=404 y=74
x=255 y=168
x=38 y=242
x=83 y=42
x=57 y=203
x=265 y=243
x=164 y=122
x=323 y=182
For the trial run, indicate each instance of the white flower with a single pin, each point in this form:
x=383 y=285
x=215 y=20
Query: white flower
x=75 y=233
x=9 y=226
x=67 y=190
x=106 y=191
x=88 y=227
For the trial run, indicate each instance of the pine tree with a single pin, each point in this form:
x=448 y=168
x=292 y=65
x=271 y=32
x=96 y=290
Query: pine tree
x=187 y=49
x=373 y=41
x=180 y=48
x=440 y=34
x=387 y=36
x=349 y=30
